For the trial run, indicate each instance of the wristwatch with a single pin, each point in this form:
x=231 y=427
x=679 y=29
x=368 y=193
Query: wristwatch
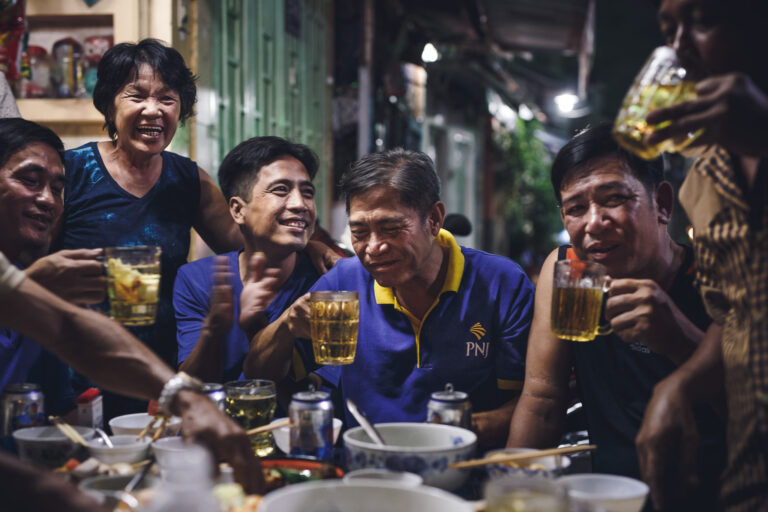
x=175 y=384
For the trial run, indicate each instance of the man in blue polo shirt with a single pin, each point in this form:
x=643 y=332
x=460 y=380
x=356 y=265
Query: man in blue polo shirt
x=431 y=311
x=268 y=184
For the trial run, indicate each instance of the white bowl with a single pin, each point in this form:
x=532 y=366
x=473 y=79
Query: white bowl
x=133 y=424
x=47 y=446
x=126 y=449
x=396 y=477
x=366 y=496
x=422 y=448
x=173 y=453
x=554 y=465
x=610 y=492
x=282 y=435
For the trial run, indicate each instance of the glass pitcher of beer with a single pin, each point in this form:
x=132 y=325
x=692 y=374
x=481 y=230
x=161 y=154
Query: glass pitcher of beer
x=661 y=83
x=333 y=320
x=577 y=300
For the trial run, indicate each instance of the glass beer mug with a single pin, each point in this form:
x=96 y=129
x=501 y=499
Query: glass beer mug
x=661 y=83
x=577 y=300
x=333 y=320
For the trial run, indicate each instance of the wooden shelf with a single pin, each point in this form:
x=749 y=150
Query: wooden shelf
x=61 y=110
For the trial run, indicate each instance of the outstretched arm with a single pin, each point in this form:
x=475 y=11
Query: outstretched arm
x=213 y=221
x=539 y=418
x=110 y=356
x=669 y=426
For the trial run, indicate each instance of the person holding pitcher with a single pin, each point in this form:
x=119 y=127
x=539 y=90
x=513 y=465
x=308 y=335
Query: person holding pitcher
x=616 y=208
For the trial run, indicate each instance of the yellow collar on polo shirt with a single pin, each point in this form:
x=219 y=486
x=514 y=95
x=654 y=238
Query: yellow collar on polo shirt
x=452 y=281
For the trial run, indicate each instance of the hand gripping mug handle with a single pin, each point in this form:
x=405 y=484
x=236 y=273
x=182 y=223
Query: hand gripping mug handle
x=604 y=329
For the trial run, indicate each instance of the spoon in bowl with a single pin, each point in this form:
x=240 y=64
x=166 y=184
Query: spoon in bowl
x=363 y=421
x=104 y=437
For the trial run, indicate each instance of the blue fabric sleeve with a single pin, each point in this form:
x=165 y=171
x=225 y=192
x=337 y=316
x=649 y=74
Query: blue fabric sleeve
x=516 y=312
x=191 y=293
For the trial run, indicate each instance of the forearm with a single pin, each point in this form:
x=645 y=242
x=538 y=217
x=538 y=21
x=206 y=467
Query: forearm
x=492 y=427
x=701 y=377
x=92 y=344
x=271 y=351
x=204 y=362
x=538 y=421
x=682 y=341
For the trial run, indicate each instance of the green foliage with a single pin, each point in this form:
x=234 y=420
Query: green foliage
x=526 y=203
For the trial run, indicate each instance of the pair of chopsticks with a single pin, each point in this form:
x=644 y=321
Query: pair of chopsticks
x=267 y=428
x=500 y=458
x=153 y=425
x=68 y=430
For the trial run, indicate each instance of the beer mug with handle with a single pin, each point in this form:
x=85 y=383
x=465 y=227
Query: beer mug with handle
x=577 y=300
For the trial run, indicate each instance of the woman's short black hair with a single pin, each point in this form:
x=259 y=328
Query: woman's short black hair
x=17 y=133
x=410 y=174
x=120 y=65
x=240 y=168
x=596 y=142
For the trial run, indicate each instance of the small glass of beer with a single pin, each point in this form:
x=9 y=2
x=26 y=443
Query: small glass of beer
x=577 y=300
x=251 y=403
x=661 y=83
x=333 y=320
x=514 y=493
x=133 y=280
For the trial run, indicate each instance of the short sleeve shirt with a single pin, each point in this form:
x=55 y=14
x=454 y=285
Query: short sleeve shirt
x=474 y=337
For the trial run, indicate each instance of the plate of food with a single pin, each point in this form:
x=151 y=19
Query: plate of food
x=280 y=472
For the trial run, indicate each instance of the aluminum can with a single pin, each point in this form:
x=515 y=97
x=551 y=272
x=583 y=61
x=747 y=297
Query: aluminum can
x=450 y=407
x=23 y=406
x=216 y=393
x=311 y=416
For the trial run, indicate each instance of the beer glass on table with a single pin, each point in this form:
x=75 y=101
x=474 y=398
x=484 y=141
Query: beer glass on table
x=525 y=494
x=333 y=320
x=577 y=300
x=661 y=83
x=133 y=281
x=251 y=403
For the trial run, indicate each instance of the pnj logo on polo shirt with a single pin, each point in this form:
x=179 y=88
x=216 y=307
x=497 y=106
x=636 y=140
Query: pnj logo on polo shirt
x=477 y=348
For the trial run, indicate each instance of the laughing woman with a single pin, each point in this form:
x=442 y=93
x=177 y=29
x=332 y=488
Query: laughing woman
x=130 y=191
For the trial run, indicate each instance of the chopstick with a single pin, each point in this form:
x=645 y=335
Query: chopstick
x=150 y=426
x=272 y=426
x=516 y=457
x=161 y=428
x=68 y=430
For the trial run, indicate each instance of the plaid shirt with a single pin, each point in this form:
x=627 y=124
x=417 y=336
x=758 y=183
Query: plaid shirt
x=730 y=223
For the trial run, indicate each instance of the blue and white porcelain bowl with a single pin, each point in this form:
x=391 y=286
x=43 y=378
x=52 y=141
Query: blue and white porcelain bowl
x=422 y=448
x=551 y=466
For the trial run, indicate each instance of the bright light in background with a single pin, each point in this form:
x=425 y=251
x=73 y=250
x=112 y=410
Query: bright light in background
x=429 y=53
x=525 y=113
x=566 y=102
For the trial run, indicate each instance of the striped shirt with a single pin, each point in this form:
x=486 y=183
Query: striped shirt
x=730 y=222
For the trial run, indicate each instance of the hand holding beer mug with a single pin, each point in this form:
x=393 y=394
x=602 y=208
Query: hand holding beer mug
x=577 y=300
x=133 y=280
x=661 y=83
x=333 y=320
x=251 y=403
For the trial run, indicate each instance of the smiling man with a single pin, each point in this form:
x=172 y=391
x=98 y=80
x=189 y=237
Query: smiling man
x=268 y=184
x=31 y=202
x=431 y=312
x=616 y=208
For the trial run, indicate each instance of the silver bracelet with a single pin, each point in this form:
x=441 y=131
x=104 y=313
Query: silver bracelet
x=171 y=388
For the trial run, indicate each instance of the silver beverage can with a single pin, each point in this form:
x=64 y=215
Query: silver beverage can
x=216 y=393
x=23 y=406
x=311 y=416
x=450 y=407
